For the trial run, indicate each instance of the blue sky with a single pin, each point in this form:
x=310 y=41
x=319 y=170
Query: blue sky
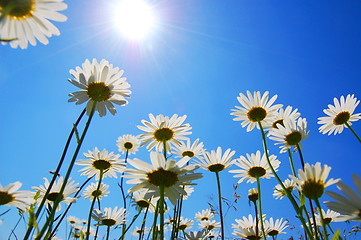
x=196 y=62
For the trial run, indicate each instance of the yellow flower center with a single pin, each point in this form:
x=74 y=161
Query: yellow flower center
x=162 y=177
x=98 y=91
x=280 y=121
x=253 y=197
x=5 y=198
x=216 y=167
x=210 y=227
x=312 y=189
x=101 y=164
x=97 y=193
x=143 y=203
x=163 y=134
x=128 y=145
x=341 y=118
x=253 y=237
x=18 y=9
x=273 y=232
x=52 y=196
x=204 y=219
x=256 y=114
x=327 y=220
x=188 y=154
x=256 y=172
x=108 y=222
x=182 y=226
x=293 y=138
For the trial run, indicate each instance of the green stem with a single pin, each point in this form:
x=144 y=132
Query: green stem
x=143 y=223
x=131 y=223
x=288 y=193
x=108 y=231
x=256 y=214
x=75 y=155
x=161 y=211
x=349 y=126
x=260 y=207
x=322 y=219
x=220 y=204
x=122 y=189
x=56 y=173
x=154 y=227
x=87 y=234
x=291 y=162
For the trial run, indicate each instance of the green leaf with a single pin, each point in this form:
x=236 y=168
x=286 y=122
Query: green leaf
x=336 y=235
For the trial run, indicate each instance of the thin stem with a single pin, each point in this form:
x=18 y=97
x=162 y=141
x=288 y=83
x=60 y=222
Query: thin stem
x=16 y=225
x=58 y=199
x=256 y=214
x=122 y=181
x=291 y=162
x=143 y=224
x=220 y=204
x=301 y=155
x=322 y=219
x=288 y=193
x=133 y=220
x=161 y=211
x=87 y=234
x=56 y=173
x=108 y=231
x=349 y=126
x=260 y=207
x=154 y=227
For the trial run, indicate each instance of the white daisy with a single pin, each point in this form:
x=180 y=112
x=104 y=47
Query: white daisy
x=186 y=149
x=168 y=173
x=215 y=161
x=70 y=188
x=139 y=231
x=339 y=114
x=100 y=83
x=162 y=129
x=282 y=115
x=274 y=228
x=246 y=228
x=11 y=196
x=209 y=225
x=145 y=200
x=312 y=180
x=328 y=217
x=290 y=134
x=73 y=220
x=128 y=143
x=204 y=215
x=189 y=190
x=254 y=166
x=110 y=217
x=253 y=194
x=196 y=235
x=255 y=108
x=109 y=163
x=348 y=205
x=279 y=193
x=28 y=21
x=185 y=224
x=91 y=191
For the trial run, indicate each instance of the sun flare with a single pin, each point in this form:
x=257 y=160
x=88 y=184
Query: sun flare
x=134 y=19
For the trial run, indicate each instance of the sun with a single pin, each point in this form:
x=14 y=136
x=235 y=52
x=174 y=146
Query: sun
x=134 y=18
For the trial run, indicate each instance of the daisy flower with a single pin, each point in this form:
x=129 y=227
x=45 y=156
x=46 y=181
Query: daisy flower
x=110 y=217
x=189 y=150
x=312 y=180
x=204 y=215
x=162 y=129
x=185 y=224
x=283 y=114
x=98 y=161
x=339 y=115
x=139 y=231
x=254 y=166
x=253 y=194
x=27 y=21
x=328 y=217
x=350 y=204
x=144 y=199
x=70 y=188
x=91 y=191
x=168 y=173
x=215 y=161
x=274 y=228
x=73 y=220
x=209 y=225
x=128 y=144
x=255 y=108
x=279 y=193
x=196 y=235
x=100 y=83
x=11 y=196
x=246 y=228
x=290 y=134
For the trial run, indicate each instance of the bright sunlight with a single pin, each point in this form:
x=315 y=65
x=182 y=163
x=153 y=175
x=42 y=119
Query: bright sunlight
x=134 y=18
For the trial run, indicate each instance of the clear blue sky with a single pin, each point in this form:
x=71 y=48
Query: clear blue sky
x=201 y=56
